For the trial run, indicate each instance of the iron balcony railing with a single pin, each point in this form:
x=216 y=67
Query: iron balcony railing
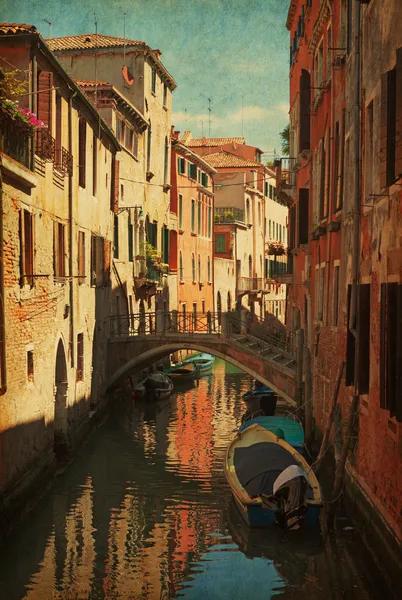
x=45 y=145
x=63 y=161
x=229 y=214
x=285 y=172
x=15 y=137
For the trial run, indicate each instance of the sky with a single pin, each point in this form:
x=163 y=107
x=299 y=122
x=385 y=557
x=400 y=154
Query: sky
x=234 y=52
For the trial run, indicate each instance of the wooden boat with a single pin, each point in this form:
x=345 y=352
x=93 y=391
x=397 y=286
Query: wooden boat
x=287 y=429
x=270 y=481
x=183 y=372
x=156 y=386
x=204 y=361
x=261 y=399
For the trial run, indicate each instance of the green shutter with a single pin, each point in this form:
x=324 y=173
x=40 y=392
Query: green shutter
x=130 y=242
x=116 y=237
x=192 y=215
x=220 y=243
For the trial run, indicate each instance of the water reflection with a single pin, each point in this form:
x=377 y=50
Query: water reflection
x=145 y=513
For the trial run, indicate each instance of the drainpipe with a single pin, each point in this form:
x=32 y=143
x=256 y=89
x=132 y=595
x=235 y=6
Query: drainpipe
x=3 y=387
x=353 y=324
x=70 y=227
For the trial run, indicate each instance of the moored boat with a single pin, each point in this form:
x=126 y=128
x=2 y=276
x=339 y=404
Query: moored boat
x=156 y=386
x=270 y=481
x=261 y=398
x=287 y=429
x=204 y=361
x=183 y=372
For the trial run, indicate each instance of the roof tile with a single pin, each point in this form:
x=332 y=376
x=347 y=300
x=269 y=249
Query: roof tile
x=90 y=40
x=213 y=142
x=226 y=159
x=7 y=28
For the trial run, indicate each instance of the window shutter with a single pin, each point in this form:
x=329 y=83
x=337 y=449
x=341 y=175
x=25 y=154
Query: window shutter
x=93 y=260
x=22 y=247
x=106 y=260
x=398 y=148
x=304 y=110
x=383 y=130
x=398 y=386
x=115 y=185
x=383 y=346
x=341 y=166
x=364 y=338
x=392 y=343
x=44 y=109
x=82 y=153
x=322 y=179
x=55 y=247
x=303 y=215
x=350 y=347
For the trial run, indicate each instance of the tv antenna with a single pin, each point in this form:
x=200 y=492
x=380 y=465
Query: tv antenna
x=209 y=116
x=50 y=26
x=242 y=116
x=96 y=62
x=202 y=128
x=124 y=33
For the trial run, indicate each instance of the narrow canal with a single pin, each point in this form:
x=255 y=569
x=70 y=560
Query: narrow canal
x=144 y=512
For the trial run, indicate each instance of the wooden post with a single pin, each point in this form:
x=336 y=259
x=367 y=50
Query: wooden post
x=330 y=420
x=308 y=409
x=340 y=469
x=299 y=366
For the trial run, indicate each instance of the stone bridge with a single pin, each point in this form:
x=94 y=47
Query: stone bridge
x=137 y=341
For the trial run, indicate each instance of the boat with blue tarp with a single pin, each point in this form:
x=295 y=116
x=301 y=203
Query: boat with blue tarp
x=270 y=481
x=288 y=429
x=203 y=361
x=261 y=398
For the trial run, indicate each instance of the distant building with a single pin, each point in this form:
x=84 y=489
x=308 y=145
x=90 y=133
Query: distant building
x=192 y=199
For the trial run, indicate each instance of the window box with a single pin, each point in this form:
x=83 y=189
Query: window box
x=166 y=187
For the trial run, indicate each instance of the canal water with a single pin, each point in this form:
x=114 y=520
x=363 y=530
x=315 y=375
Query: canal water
x=144 y=512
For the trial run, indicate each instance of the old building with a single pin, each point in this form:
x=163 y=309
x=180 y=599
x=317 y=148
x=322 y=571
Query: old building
x=343 y=183
x=143 y=82
x=58 y=194
x=192 y=199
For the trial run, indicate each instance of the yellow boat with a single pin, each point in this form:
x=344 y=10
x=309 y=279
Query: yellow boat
x=262 y=470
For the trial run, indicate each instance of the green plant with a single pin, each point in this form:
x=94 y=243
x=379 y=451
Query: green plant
x=285 y=144
x=217 y=219
x=228 y=217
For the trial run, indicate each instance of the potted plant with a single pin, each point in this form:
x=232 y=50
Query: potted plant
x=276 y=248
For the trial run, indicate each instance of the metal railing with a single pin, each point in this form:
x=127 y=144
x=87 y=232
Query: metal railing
x=228 y=214
x=45 y=145
x=63 y=161
x=165 y=322
x=285 y=172
x=250 y=284
x=14 y=138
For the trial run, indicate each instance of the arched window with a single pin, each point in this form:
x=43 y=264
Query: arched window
x=250 y=266
x=193 y=267
x=229 y=302
x=209 y=269
x=181 y=273
x=166 y=170
x=199 y=268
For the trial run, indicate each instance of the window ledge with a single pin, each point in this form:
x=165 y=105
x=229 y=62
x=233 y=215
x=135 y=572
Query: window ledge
x=181 y=231
x=181 y=282
x=166 y=187
x=17 y=171
x=130 y=153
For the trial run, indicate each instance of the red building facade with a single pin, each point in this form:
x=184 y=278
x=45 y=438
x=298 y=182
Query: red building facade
x=342 y=183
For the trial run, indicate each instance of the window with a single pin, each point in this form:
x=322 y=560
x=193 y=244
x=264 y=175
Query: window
x=250 y=266
x=336 y=295
x=341 y=164
x=303 y=208
x=166 y=162
x=181 y=165
x=304 y=130
x=180 y=211
x=118 y=128
x=82 y=151
x=193 y=268
x=165 y=245
x=135 y=145
x=271 y=191
x=80 y=357
x=269 y=229
x=265 y=188
x=153 y=82
x=116 y=237
x=209 y=269
x=181 y=272
x=30 y=365
x=129 y=141
x=199 y=268
x=280 y=233
x=165 y=94
x=388 y=128
x=350 y=26
x=369 y=149
x=130 y=234
x=193 y=216
x=247 y=212
x=81 y=256
x=59 y=258
x=59 y=130
x=209 y=221
x=100 y=261
x=203 y=306
x=26 y=247
x=114 y=188
x=277 y=232
x=192 y=171
x=391 y=349
x=199 y=218
x=220 y=243
x=94 y=165
x=364 y=338
x=204 y=180
x=319 y=292
x=149 y=144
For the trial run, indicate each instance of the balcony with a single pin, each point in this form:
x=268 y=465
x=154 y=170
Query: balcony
x=45 y=145
x=226 y=215
x=63 y=161
x=281 y=272
x=14 y=137
x=251 y=284
x=285 y=178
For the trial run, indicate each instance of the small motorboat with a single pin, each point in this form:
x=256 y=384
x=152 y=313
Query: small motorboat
x=156 y=386
x=204 y=361
x=183 y=372
x=270 y=481
x=261 y=398
x=285 y=428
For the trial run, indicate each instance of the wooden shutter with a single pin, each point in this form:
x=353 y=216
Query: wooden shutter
x=93 y=262
x=398 y=383
x=304 y=110
x=44 y=110
x=383 y=346
x=392 y=344
x=22 y=248
x=364 y=338
x=55 y=248
x=303 y=208
x=350 y=347
x=398 y=149
x=82 y=151
x=384 y=130
x=322 y=178
x=106 y=260
x=341 y=164
x=115 y=185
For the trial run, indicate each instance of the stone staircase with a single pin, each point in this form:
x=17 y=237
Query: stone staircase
x=266 y=349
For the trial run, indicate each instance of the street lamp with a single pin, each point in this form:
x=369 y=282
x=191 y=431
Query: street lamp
x=123 y=208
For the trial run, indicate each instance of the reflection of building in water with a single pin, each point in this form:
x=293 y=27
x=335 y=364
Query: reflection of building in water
x=75 y=544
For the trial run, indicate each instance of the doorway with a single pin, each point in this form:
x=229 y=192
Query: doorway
x=60 y=403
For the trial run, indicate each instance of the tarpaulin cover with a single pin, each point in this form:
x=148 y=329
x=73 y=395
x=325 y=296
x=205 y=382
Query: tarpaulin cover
x=258 y=466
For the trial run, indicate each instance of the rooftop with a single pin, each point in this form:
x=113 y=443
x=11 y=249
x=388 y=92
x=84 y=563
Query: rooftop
x=10 y=28
x=209 y=142
x=90 y=40
x=226 y=159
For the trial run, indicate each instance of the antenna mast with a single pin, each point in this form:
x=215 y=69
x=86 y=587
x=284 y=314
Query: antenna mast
x=50 y=26
x=242 y=116
x=209 y=116
x=96 y=61
x=124 y=34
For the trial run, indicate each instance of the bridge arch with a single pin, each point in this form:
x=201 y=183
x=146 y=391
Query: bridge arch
x=161 y=350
